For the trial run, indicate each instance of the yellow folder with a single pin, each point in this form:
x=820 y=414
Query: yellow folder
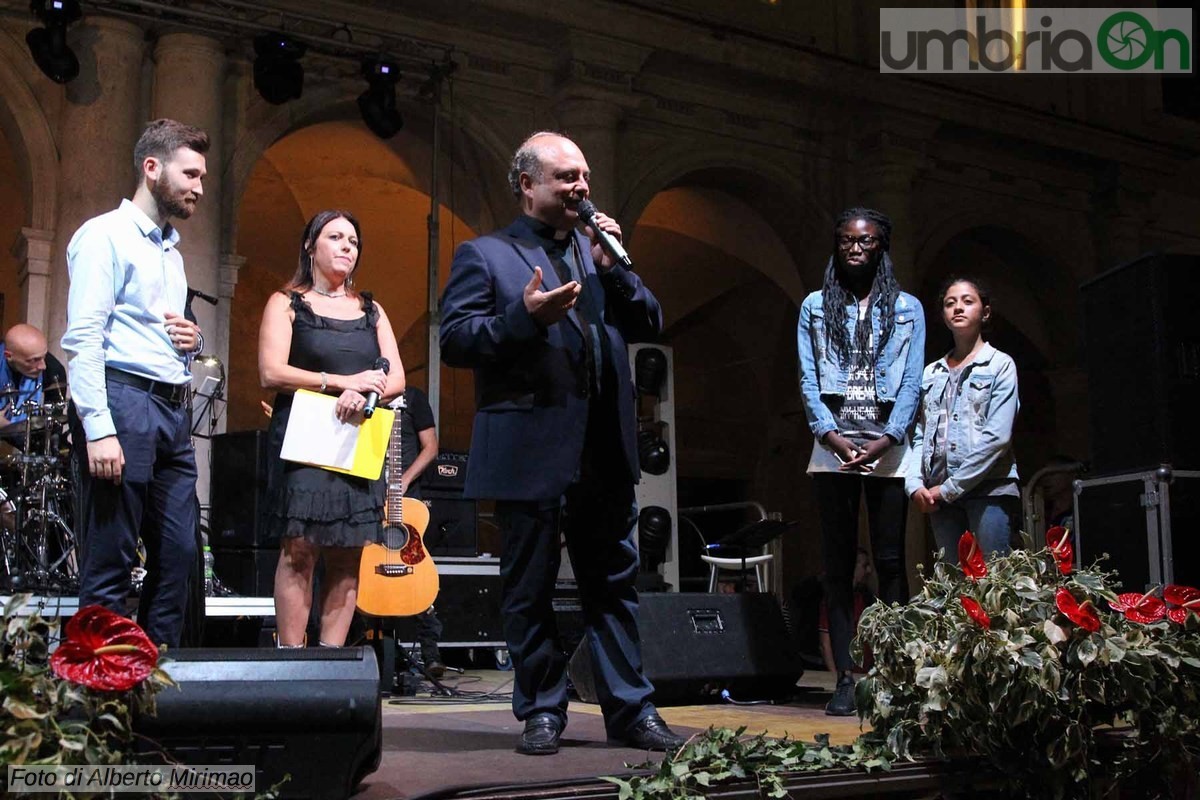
x=316 y=437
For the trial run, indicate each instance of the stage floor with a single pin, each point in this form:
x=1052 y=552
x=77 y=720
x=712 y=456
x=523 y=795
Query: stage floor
x=431 y=745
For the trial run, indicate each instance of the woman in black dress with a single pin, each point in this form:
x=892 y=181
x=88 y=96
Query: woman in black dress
x=318 y=333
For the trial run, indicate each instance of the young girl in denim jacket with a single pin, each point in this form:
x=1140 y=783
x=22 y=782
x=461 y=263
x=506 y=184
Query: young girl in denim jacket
x=961 y=469
x=861 y=344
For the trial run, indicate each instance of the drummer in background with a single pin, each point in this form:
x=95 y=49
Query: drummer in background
x=26 y=371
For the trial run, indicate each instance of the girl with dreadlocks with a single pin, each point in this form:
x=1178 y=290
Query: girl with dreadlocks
x=960 y=469
x=862 y=345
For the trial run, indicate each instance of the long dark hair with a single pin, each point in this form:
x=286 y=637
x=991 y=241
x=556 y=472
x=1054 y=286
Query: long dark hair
x=835 y=296
x=303 y=279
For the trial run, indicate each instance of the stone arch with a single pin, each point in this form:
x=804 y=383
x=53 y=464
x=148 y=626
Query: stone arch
x=778 y=194
x=29 y=135
x=267 y=124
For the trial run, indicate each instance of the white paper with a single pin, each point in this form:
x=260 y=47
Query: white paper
x=314 y=434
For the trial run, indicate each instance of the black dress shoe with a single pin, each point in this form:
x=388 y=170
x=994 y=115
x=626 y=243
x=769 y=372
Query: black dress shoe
x=541 y=735
x=652 y=733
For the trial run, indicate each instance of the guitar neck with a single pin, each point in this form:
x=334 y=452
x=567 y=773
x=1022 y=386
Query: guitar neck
x=395 y=469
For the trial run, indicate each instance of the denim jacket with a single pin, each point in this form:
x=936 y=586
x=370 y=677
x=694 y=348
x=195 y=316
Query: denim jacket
x=897 y=371
x=979 y=429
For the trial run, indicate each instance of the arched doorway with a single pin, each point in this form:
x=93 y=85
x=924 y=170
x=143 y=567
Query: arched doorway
x=339 y=164
x=729 y=286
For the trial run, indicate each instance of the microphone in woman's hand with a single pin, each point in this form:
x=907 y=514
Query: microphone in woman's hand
x=373 y=397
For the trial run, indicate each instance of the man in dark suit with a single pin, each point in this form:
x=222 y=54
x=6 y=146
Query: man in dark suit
x=542 y=314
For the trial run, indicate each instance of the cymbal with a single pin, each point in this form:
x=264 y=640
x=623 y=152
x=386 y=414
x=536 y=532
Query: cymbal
x=57 y=386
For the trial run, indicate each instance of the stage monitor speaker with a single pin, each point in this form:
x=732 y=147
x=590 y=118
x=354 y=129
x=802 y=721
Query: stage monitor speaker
x=248 y=571
x=312 y=715
x=452 y=524
x=694 y=645
x=1143 y=364
x=239 y=490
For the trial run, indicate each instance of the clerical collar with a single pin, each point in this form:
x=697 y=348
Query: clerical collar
x=547 y=233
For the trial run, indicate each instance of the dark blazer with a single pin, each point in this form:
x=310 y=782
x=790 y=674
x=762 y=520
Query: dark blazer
x=530 y=381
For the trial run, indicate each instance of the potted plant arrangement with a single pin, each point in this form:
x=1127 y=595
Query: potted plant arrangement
x=1025 y=664
x=74 y=706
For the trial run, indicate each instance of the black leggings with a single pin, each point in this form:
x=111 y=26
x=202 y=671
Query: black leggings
x=887 y=511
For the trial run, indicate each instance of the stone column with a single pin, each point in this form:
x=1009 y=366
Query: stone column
x=189 y=75
x=98 y=128
x=592 y=124
x=34 y=251
x=887 y=186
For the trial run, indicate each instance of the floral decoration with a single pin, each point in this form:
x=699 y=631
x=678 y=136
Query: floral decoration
x=1143 y=608
x=1185 y=601
x=976 y=612
x=104 y=650
x=1058 y=539
x=970 y=558
x=1082 y=614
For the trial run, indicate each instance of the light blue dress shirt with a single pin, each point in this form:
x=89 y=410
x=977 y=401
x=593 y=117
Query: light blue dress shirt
x=126 y=274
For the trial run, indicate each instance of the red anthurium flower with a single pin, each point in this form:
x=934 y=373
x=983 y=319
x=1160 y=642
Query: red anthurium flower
x=1185 y=598
x=970 y=558
x=1082 y=614
x=1058 y=539
x=976 y=612
x=1143 y=608
x=105 y=651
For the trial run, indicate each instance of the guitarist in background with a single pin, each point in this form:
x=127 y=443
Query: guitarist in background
x=418 y=448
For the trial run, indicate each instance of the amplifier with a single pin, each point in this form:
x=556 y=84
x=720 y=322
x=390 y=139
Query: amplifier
x=447 y=473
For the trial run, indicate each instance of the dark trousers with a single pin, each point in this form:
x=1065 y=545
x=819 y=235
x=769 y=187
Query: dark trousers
x=597 y=516
x=887 y=510
x=156 y=500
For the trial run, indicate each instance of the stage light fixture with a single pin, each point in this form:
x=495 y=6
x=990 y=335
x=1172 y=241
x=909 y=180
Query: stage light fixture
x=653 y=455
x=48 y=45
x=650 y=371
x=654 y=534
x=378 y=103
x=278 y=74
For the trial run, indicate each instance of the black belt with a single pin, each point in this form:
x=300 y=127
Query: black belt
x=174 y=393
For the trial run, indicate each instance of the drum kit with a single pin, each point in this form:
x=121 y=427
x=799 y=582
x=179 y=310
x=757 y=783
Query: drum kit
x=38 y=546
x=39 y=483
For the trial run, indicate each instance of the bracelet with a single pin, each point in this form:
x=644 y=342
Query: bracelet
x=324 y=381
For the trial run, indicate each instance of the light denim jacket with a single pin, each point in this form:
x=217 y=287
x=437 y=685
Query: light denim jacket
x=979 y=429
x=897 y=372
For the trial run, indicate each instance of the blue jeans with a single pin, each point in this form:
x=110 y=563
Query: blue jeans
x=992 y=519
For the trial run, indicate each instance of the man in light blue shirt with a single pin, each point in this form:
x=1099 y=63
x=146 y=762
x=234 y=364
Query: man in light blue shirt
x=129 y=348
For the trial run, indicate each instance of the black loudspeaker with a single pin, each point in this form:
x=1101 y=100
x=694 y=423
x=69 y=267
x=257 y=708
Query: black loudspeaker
x=447 y=473
x=696 y=645
x=452 y=524
x=249 y=572
x=239 y=490
x=1143 y=364
x=311 y=714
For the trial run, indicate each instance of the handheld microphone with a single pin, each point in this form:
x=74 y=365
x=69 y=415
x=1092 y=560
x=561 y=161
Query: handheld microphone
x=373 y=397
x=208 y=298
x=587 y=214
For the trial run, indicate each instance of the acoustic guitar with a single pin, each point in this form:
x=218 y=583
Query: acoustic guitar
x=398 y=577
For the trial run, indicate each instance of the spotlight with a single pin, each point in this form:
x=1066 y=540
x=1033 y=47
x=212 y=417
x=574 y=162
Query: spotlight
x=48 y=45
x=278 y=75
x=653 y=455
x=654 y=534
x=378 y=103
x=649 y=371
